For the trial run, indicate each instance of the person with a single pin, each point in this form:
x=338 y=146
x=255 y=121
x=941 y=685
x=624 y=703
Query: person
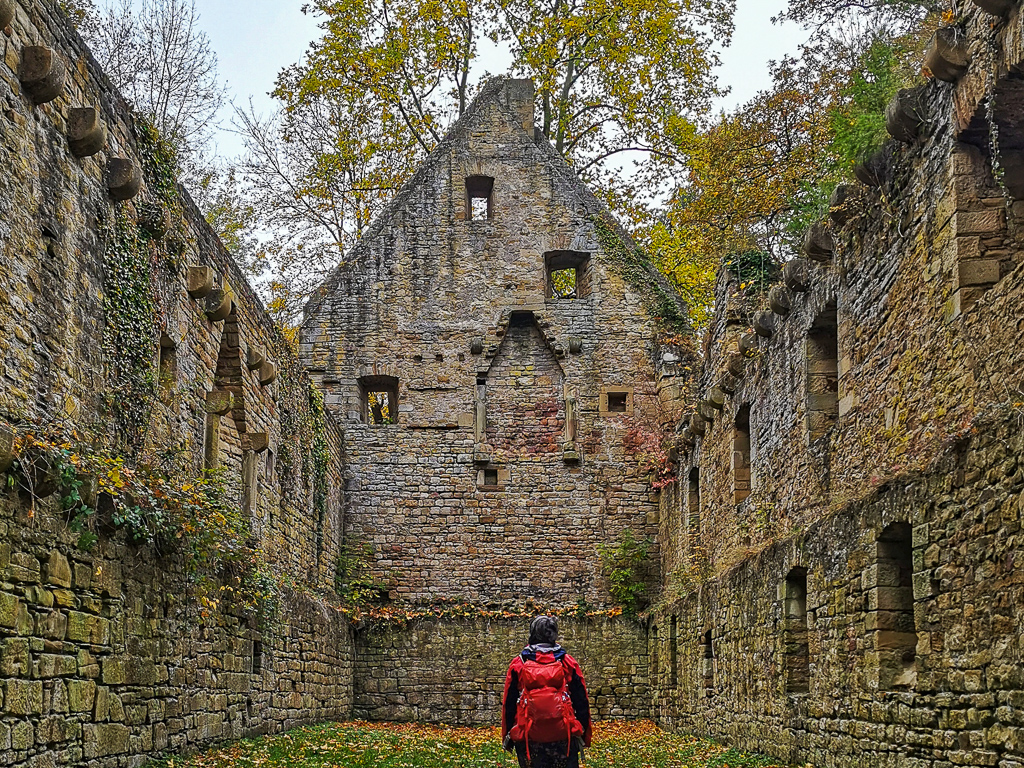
x=545 y=714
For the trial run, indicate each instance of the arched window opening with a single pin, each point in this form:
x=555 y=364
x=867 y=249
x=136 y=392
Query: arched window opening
x=822 y=375
x=379 y=400
x=797 y=648
x=479 y=198
x=741 y=455
x=891 y=600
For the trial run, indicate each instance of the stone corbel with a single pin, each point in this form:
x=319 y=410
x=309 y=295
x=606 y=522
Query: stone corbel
x=257 y=442
x=87 y=133
x=42 y=73
x=764 y=324
x=6 y=13
x=268 y=373
x=255 y=357
x=948 y=57
x=124 y=179
x=797 y=275
x=200 y=281
x=778 y=300
x=818 y=244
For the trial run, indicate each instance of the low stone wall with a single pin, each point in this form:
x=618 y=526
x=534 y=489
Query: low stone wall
x=454 y=671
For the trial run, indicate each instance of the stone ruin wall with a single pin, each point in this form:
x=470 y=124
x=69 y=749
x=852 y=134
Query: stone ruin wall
x=863 y=604
x=100 y=660
x=457 y=313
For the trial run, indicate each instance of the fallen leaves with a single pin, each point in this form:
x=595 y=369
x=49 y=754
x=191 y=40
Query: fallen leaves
x=622 y=744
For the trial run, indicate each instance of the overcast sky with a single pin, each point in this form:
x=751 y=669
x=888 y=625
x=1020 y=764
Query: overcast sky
x=255 y=39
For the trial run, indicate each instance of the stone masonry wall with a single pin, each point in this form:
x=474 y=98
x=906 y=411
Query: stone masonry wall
x=454 y=671
x=859 y=607
x=102 y=660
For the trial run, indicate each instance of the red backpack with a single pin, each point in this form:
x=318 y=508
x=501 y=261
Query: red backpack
x=544 y=711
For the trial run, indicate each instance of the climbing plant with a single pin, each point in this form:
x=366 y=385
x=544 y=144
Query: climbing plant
x=625 y=565
x=634 y=266
x=130 y=333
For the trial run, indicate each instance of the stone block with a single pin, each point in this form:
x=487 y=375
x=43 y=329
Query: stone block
x=23 y=697
x=9 y=609
x=124 y=179
x=986 y=222
x=976 y=272
x=58 y=570
x=42 y=72
x=87 y=132
x=81 y=695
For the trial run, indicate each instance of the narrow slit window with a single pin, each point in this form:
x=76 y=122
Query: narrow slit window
x=822 y=375
x=741 y=455
x=167 y=366
x=709 y=663
x=673 y=652
x=257 y=656
x=379 y=400
x=895 y=633
x=479 y=198
x=797 y=648
x=693 y=503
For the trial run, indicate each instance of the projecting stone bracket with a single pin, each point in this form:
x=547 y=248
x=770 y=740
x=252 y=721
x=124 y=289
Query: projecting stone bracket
x=6 y=13
x=218 y=304
x=764 y=324
x=268 y=373
x=948 y=57
x=42 y=73
x=257 y=442
x=86 y=132
x=779 y=301
x=255 y=357
x=818 y=244
x=219 y=402
x=200 y=281
x=906 y=115
x=124 y=179
x=155 y=218
x=797 y=275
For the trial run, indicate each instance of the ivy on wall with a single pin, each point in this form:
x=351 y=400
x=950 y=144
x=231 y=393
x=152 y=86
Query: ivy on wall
x=130 y=333
x=635 y=268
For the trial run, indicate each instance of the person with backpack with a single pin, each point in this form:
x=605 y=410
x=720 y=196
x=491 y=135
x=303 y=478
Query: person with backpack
x=545 y=714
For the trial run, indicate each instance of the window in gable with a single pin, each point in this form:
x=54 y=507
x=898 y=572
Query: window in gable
x=479 y=198
x=568 y=274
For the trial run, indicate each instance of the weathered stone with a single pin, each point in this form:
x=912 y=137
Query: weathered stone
x=58 y=570
x=220 y=402
x=7 y=447
x=779 y=300
x=841 y=206
x=87 y=132
x=124 y=178
x=995 y=7
x=201 y=281
x=947 y=56
x=42 y=73
x=818 y=244
x=796 y=274
x=268 y=373
x=255 y=357
x=6 y=12
x=906 y=114
x=218 y=304
x=874 y=170
x=155 y=219
x=255 y=441
x=764 y=324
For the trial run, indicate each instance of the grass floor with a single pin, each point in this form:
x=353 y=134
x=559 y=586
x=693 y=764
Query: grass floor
x=378 y=745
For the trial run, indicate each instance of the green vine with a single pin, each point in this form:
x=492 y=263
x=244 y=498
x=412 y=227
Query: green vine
x=130 y=333
x=319 y=453
x=625 y=565
x=635 y=267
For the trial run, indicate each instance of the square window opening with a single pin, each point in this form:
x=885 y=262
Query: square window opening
x=617 y=402
x=491 y=477
x=379 y=400
x=479 y=198
x=568 y=274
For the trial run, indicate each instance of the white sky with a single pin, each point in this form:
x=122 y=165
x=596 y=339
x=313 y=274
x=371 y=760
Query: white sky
x=256 y=39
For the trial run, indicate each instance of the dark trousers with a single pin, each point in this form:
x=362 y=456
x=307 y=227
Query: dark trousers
x=547 y=755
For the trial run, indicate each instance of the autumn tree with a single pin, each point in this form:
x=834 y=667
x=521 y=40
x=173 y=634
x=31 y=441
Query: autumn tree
x=156 y=54
x=617 y=80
